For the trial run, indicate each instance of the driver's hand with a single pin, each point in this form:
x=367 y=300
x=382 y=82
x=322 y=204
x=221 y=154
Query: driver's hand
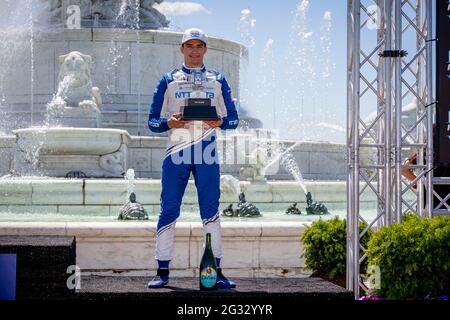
x=215 y=123
x=175 y=122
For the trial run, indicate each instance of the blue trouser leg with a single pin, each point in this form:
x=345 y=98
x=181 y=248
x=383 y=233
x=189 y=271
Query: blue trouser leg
x=174 y=180
x=207 y=182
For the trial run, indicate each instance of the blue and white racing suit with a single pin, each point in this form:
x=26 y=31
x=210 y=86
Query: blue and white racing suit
x=190 y=149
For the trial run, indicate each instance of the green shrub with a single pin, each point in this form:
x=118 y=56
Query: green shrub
x=413 y=257
x=325 y=247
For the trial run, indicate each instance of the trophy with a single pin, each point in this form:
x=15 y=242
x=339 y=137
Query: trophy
x=197 y=108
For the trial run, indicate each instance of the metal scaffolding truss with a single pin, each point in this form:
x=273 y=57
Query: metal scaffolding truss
x=389 y=117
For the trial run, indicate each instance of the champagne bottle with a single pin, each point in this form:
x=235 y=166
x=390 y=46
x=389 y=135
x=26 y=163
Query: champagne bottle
x=208 y=272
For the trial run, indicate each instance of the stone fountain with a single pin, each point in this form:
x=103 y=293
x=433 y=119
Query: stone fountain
x=74 y=102
x=74 y=142
x=87 y=114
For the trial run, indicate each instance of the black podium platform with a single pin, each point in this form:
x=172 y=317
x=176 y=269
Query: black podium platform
x=42 y=263
x=186 y=290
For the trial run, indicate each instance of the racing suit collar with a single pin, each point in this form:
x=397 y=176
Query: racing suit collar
x=189 y=70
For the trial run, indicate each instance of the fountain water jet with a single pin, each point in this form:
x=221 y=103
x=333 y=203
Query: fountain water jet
x=132 y=210
x=141 y=153
x=80 y=202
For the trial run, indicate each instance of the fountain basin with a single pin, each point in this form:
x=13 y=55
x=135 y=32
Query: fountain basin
x=71 y=141
x=88 y=210
x=101 y=199
x=57 y=152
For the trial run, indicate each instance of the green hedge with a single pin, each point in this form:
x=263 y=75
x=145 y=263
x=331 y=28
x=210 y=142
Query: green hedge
x=413 y=257
x=325 y=247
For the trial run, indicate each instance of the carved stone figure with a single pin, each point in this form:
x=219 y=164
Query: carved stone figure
x=293 y=209
x=152 y=17
x=75 y=83
x=113 y=163
x=113 y=13
x=245 y=209
x=54 y=6
x=314 y=207
x=105 y=10
x=229 y=211
x=133 y=210
x=254 y=171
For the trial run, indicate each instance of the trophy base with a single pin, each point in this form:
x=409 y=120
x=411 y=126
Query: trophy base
x=197 y=112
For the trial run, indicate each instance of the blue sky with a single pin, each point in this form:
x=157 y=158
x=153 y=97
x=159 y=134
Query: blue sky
x=297 y=105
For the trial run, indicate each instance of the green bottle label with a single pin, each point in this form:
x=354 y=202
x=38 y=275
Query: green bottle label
x=208 y=277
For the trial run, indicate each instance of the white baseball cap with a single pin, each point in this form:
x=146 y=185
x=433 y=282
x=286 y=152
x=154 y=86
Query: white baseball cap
x=194 y=34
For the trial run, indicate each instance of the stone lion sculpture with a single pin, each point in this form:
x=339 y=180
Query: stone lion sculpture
x=149 y=17
x=75 y=83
